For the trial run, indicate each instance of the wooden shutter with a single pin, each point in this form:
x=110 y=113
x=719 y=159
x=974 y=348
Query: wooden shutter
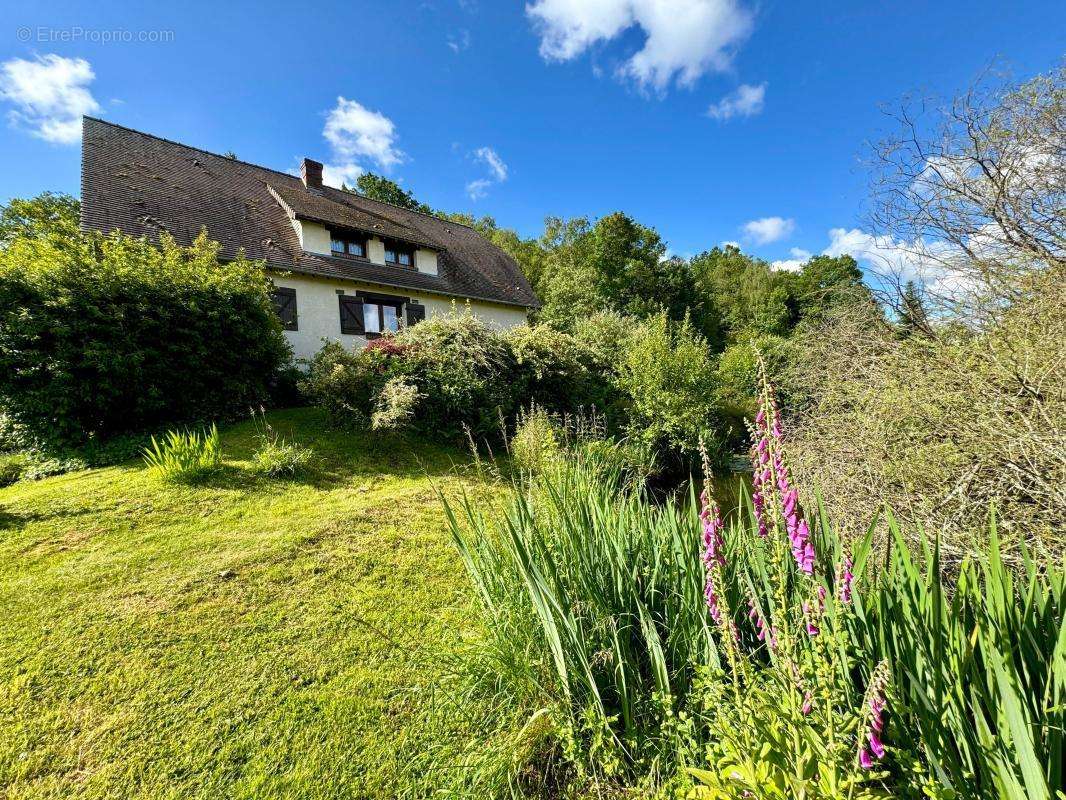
x=416 y=312
x=351 y=314
x=285 y=306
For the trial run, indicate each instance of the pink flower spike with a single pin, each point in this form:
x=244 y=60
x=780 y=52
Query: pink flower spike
x=876 y=746
x=807 y=704
x=864 y=759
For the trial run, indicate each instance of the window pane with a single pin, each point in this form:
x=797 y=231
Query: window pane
x=336 y=245
x=371 y=318
x=390 y=254
x=392 y=320
x=405 y=259
x=355 y=248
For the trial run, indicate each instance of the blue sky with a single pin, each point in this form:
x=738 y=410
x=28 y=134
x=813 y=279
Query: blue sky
x=711 y=120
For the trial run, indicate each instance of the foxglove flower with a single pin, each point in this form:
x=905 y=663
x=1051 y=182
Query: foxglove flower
x=873 y=748
x=845 y=580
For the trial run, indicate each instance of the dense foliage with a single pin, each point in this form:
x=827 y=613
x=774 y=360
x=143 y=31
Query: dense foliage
x=104 y=335
x=650 y=381
x=961 y=404
x=759 y=656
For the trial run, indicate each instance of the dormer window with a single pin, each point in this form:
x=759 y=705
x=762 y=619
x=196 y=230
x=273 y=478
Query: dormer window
x=399 y=254
x=347 y=244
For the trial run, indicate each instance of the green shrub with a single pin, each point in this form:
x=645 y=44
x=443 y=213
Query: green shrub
x=738 y=379
x=668 y=376
x=345 y=383
x=104 y=335
x=559 y=372
x=536 y=442
x=184 y=456
x=395 y=405
x=464 y=373
x=12 y=467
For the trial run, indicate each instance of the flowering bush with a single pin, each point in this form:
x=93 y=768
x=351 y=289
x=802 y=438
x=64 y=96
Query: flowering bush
x=753 y=654
x=783 y=712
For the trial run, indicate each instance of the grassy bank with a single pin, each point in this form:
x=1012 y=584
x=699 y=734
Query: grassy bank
x=244 y=638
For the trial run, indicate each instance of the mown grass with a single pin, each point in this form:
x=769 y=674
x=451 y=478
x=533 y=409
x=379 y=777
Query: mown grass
x=242 y=638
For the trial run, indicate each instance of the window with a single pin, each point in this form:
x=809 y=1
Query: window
x=381 y=317
x=370 y=315
x=347 y=244
x=285 y=306
x=399 y=254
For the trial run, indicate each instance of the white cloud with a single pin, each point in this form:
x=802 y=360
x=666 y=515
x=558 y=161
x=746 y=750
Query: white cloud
x=882 y=252
x=355 y=131
x=341 y=174
x=769 y=229
x=495 y=163
x=683 y=38
x=794 y=264
x=50 y=95
x=459 y=41
x=745 y=101
x=730 y=243
x=479 y=188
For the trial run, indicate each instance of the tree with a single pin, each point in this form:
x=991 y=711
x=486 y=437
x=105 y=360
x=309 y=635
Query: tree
x=971 y=198
x=913 y=318
x=49 y=214
x=378 y=187
x=614 y=264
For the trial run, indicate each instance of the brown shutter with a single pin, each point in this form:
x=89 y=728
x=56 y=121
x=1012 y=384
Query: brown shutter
x=351 y=314
x=416 y=312
x=285 y=306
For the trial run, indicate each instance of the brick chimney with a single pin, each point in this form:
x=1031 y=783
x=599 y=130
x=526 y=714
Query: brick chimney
x=311 y=173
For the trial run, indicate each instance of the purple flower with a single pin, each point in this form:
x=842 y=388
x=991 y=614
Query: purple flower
x=808 y=702
x=812 y=629
x=845 y=580
x=876 y=702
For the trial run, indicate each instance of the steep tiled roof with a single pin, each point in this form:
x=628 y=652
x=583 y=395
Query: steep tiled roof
x=141 y=185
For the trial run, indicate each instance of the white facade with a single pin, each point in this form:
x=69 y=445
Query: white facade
x=318 y=310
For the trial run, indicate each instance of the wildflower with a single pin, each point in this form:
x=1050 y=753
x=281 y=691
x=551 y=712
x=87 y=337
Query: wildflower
x=713 y=544
x=808 y=703
x=763 y=632
x=873 y=747
x=845 y=580
x=812 y=629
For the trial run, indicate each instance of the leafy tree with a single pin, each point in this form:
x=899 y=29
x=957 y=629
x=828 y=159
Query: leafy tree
x=615 y=264
x=378 y=187
x=743 y=295
x=50 y=214
x=823 y=282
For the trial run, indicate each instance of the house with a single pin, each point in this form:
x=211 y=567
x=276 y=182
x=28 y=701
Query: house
x=344 y=267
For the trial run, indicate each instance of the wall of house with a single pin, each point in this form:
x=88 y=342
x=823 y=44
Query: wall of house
x=426 y=260
x=318 y=311
x=314 y=238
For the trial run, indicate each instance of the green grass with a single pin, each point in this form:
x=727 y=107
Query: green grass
x=242 y=638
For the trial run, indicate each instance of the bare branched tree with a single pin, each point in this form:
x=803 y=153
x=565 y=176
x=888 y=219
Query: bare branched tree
x=947 y=415
x=970 y=197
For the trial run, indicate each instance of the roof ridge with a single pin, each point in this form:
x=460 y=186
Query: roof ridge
x=271 y=169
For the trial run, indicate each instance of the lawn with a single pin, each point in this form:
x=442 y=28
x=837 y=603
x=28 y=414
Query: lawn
x=245 y=638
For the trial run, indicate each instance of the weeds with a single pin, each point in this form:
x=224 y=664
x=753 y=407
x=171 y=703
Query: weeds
x=184 y=456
